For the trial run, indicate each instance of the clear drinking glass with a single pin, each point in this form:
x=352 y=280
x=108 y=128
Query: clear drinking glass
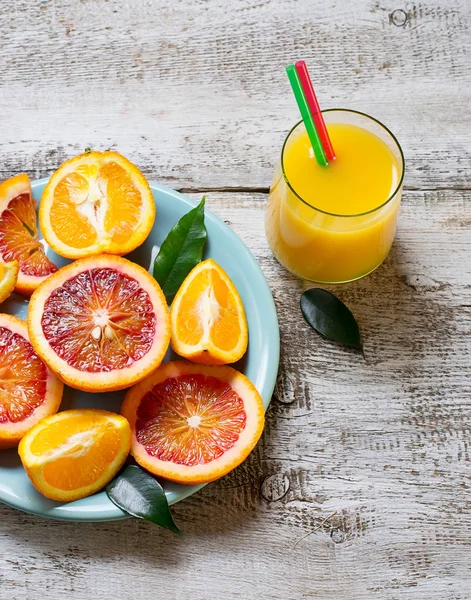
x=326 y=247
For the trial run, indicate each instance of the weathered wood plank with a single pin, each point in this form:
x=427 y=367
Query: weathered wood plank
x=195 y=92
x=369 y=456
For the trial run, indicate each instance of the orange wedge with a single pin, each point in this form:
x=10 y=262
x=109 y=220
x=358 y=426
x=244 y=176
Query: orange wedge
x=8 y=278
x=29 y=391
x=19 y=239
x=75 y=453
x=207 y=317
x=96 y=202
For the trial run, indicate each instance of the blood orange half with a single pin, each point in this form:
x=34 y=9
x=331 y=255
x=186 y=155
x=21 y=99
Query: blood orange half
x=193 y=423
x=29 y=391
x=101 y=323
x=19 y=238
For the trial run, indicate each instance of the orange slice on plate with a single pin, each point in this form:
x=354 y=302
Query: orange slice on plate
x=101 y=323
x=193 y=423
x=8 y=278
x=29 y=391
x=207 y=317
x=75 y=453
x=19 y=238
x=96 y=202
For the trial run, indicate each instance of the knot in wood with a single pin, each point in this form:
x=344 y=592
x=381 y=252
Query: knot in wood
x=285 y=388
x=274 y=487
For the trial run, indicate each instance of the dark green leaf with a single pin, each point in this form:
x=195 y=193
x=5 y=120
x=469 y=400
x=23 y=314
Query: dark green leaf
x=87 y=150
x=181 y=250
x=330 y=317
x=139 y=494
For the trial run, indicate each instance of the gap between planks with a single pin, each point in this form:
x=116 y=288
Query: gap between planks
x=266 y=190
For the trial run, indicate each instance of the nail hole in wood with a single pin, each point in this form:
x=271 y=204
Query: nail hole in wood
x=338 y=536
x=398 y=17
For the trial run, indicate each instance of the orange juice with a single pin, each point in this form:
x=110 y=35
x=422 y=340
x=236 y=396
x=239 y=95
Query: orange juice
x=337 y=223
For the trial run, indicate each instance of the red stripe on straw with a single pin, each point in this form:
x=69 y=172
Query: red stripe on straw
x=315 y=109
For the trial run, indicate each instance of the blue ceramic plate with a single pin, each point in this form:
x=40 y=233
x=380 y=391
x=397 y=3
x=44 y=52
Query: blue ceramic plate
x=260 y=364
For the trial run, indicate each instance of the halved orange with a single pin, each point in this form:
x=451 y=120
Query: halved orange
x=101 y=323
x=8 y=278
x=193 y=423
x=75 y=453
x=29 y=391
x=19 y=238
x=96 y=202
x=207 y=317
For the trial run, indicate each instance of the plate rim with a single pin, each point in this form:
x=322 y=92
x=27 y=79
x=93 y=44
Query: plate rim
x=110 y=512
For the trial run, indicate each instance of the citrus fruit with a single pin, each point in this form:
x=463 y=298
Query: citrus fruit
x=96 y=202
x=207 y=317
x=28 y=390
x=8 y=278
x=19 y=234
x=101 y=323
x=193 y=423
x=75 y=453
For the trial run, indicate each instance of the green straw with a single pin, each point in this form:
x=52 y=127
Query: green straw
x=306 y=115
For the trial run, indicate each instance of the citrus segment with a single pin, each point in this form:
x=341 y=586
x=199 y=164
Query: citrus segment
x=28 y=389
x=101 y=323
x=8 y=278
x=207 y=317
x=125 y=202
x=19 y=238
x=72 y=226
x=96 y=202
x=75 y=453
x=193 y=423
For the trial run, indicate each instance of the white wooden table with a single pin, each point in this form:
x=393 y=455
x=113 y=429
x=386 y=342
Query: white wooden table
x=360 y=487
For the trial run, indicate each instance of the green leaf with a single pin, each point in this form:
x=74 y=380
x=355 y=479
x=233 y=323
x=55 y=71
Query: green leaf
x=181 y=250
x=330 y=317
x=140 y=495
x=87 y=150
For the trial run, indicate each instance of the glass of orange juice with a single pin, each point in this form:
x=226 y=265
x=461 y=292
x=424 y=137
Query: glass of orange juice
x=336 y=223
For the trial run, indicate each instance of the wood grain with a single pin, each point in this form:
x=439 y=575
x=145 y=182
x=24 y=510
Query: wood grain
x=360 y=486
